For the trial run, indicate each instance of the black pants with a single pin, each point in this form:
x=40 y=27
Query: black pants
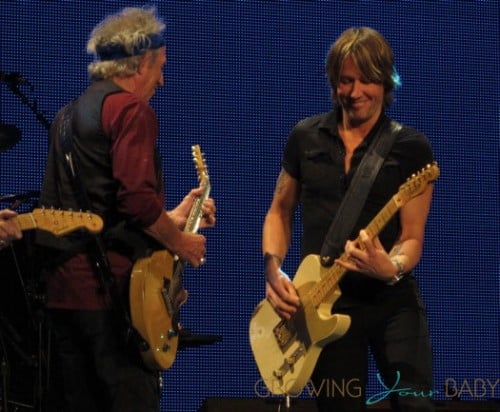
x=394 y=327
x=101 y=372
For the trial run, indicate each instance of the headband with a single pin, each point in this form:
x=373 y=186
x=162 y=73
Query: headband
x=116 y=51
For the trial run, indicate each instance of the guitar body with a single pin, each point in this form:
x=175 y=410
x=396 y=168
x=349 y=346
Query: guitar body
x=156 y=292
x=155 y=297
x=286 y=352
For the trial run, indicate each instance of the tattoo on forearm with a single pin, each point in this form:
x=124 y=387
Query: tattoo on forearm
x=398 y=258
x=396 y=249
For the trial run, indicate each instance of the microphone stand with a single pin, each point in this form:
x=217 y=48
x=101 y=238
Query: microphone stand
x=8 y=333
x=17 y=201
x=33 y=106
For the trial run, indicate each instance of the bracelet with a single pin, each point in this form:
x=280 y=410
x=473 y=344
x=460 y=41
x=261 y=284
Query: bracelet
x=400 y=273
x=270 y=256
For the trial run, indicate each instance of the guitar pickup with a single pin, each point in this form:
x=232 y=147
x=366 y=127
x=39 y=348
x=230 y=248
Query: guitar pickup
x=285 y=333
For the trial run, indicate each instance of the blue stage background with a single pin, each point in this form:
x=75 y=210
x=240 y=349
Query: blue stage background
x=239 y=75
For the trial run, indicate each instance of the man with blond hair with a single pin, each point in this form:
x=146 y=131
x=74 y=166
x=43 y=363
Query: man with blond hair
x=379 y=291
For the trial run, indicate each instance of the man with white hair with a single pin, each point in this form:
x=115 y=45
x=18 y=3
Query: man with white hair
x=110 y=133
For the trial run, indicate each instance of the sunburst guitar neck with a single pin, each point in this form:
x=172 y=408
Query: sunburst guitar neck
x=59 y=222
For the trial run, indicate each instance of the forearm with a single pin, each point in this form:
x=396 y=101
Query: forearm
x=165 y=231
x=276 y=235
x=178 y=219
x=277 y=230
x=405 y=254
x=276 y=238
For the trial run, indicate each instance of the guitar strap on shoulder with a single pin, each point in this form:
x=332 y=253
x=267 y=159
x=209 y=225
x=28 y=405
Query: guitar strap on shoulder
x=96 y=250
x=355 y=198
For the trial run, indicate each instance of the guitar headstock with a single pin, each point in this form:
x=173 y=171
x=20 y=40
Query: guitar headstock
x=416 y=184
x=62 y=222
x=201 y=166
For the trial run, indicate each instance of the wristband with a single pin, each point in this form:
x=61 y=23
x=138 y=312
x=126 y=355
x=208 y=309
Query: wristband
x=399 y=275
x=270 y=256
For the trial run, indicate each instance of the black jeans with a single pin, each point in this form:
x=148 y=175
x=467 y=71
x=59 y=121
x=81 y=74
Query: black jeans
x=100 y=371
x=394 y=327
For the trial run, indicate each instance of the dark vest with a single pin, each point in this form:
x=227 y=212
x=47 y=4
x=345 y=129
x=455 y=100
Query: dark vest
x=91 y=152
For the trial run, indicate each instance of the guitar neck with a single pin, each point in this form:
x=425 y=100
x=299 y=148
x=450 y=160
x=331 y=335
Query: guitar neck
x=322 y=290
x=26 y=221
x=196 y=213
x=59 y=222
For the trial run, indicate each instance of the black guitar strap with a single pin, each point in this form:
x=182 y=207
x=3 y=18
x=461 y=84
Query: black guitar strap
x=96 y=250
x=355 y=198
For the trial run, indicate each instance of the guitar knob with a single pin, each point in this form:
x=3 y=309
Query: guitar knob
x=166 y=347
x=171 y=333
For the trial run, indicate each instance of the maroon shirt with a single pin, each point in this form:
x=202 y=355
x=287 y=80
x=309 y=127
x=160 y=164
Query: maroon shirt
x=132 y=126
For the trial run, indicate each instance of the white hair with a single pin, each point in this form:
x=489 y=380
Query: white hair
x=129 y=30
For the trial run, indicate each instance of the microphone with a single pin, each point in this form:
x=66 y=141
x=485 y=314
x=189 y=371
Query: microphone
x=13 y=79
x=23 y=197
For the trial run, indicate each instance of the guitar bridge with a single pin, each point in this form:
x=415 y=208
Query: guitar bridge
x=289 y=362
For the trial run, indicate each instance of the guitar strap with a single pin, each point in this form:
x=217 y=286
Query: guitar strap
x=355 y=198
x=96 y=250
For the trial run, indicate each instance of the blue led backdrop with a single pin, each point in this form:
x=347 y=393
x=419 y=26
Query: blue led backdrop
x=239 y=75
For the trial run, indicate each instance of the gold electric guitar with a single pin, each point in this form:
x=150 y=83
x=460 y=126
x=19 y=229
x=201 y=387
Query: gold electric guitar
x=286 y=351
x=59 y=222
x=156 y=291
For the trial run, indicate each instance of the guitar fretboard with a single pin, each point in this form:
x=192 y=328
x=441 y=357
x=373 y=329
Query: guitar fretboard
x=195 y=214
x=329 y=283
x=26 y=221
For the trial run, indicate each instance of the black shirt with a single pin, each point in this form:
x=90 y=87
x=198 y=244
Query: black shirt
x=314 y=155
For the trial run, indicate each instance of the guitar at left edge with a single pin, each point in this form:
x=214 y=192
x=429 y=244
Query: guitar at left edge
x=59 y=222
